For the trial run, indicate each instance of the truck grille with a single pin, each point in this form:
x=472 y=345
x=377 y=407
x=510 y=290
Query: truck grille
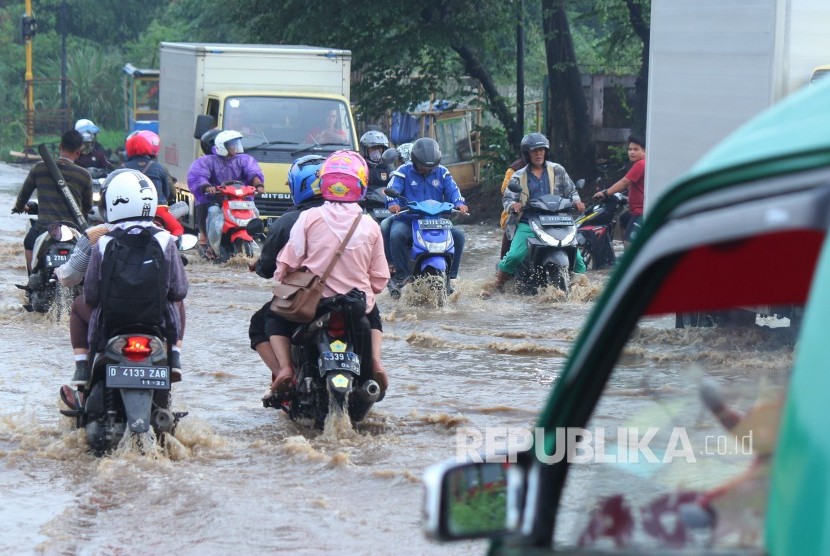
x=272 y=206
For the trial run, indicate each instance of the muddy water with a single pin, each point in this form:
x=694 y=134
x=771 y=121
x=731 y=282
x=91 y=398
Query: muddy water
x=240 y=477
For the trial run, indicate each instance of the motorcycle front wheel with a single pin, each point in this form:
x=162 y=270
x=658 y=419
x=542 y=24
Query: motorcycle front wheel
x=559 y=276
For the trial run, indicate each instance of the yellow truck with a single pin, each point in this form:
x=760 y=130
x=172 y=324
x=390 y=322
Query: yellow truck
x=278 y=97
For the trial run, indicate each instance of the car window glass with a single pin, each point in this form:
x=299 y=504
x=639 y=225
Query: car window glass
x=678 y=449
x=656 y=448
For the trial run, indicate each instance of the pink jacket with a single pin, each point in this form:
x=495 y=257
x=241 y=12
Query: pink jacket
x=317 y=235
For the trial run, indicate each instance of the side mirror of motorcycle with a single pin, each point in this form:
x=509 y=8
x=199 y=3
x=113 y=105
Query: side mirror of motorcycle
x=580 y=184
x=389 y=192
x=514 y=186
x=389 y=156
x=255 y=227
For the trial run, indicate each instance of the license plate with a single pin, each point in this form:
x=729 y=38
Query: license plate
x=381 y=213
x=555 y=220
x=241 y=205
x=435 y=224
x=54 y=261
x=124 y=376
x=339 y=360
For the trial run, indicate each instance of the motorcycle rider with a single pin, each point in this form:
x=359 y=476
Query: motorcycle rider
x=372 y=145
x=129 y=200
x=92 y=152
x=71 y=274
x=227 y=162
x=539 y=177
x=52 y=205
x=418 y=180
x=634 y=181
x=304 y=184
x=313 y=241
x=142 y=148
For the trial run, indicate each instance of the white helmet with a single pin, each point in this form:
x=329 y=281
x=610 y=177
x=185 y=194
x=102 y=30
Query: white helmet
x=226 y=139
x=86 y=126
x=129 y=195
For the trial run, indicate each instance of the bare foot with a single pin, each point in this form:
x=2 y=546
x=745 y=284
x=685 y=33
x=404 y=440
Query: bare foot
x=283 y=379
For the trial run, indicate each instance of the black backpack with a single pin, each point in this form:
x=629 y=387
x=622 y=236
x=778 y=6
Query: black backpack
x=134 y=277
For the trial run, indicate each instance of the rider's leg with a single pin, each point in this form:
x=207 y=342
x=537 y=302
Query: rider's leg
x=400 y=236
x=458 y=239
x=261 y=343
x=385 y=227
x=579 y=263
x=518 y=250
x=78 y=327
x=279 y=331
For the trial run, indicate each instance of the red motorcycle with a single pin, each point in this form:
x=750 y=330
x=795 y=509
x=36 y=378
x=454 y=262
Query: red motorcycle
x=233 y=223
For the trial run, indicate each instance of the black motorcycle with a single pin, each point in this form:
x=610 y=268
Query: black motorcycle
x=128 y=391
x=596 y=229
x=551 y=250
x=332 y=362
x=374 y=204
x=52 y=249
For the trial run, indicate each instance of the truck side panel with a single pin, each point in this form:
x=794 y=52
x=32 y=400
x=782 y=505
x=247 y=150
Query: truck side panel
x=181 y=99
x=710 y=71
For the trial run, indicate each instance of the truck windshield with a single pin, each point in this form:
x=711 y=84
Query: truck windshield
x=287 y=121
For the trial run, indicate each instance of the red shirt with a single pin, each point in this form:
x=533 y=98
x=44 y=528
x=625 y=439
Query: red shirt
x=637 y=190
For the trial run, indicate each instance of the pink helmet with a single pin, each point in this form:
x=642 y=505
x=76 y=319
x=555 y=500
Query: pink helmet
x=343 y=177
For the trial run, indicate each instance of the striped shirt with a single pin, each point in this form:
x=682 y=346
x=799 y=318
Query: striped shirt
x=52 y=205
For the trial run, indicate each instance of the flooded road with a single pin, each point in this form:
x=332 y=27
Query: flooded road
x=243 y=477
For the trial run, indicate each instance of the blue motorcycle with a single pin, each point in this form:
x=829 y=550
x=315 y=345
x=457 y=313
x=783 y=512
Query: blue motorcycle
x=433 y=248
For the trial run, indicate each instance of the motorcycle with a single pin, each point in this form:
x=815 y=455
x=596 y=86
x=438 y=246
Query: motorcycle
x=433 y=248
x=595 y=230
x=52 y=249
x=99 y=176
x=128 y=392
x=233 y=222
x=374 y=204
x=552 y=248
x=331 y=355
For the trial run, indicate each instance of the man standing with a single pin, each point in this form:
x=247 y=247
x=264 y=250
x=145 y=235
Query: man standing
x=540 y=177
x=52 y=205
x=421 y=179
x=634 y=181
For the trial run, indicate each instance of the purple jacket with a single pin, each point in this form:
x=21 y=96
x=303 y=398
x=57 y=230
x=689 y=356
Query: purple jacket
x=213 y=169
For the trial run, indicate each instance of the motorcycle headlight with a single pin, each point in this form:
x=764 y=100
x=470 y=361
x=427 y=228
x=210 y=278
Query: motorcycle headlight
x=543 y=235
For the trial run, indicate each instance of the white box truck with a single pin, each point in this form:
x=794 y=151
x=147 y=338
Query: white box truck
x=714 y=64
x=275 y=95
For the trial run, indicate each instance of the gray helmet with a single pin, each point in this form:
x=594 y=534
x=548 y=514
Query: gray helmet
x=534 y=141
x=426 y=152
x=372 y=139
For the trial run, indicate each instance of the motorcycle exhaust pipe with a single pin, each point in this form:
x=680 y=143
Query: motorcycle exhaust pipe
x=369 y=392
x=163 y=420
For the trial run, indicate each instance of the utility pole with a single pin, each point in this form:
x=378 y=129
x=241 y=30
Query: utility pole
x=520 y=71
x=64 y=111
x=28 y=29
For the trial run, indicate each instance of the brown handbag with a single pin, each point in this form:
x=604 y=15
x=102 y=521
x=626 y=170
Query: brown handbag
x=296 y=297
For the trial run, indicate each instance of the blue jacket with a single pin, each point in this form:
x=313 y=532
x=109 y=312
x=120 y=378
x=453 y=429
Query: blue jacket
x=437 y=185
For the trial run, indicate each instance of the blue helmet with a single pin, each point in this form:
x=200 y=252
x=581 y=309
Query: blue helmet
x=303 y=178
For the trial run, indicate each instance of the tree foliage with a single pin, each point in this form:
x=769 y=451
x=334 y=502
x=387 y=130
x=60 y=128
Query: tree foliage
x=402 y=53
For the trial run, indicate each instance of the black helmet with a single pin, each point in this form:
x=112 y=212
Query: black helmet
x=534 y=141
x=426 y=152
x=207 y=139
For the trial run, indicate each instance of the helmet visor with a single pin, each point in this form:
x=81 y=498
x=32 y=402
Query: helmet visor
x=235 y=146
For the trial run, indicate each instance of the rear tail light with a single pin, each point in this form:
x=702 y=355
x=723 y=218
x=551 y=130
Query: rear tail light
x=63 y=251
x=337 y=325
x=137 y=348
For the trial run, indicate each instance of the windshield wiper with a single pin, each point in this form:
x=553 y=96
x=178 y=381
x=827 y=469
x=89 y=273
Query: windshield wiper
x=317 y=145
